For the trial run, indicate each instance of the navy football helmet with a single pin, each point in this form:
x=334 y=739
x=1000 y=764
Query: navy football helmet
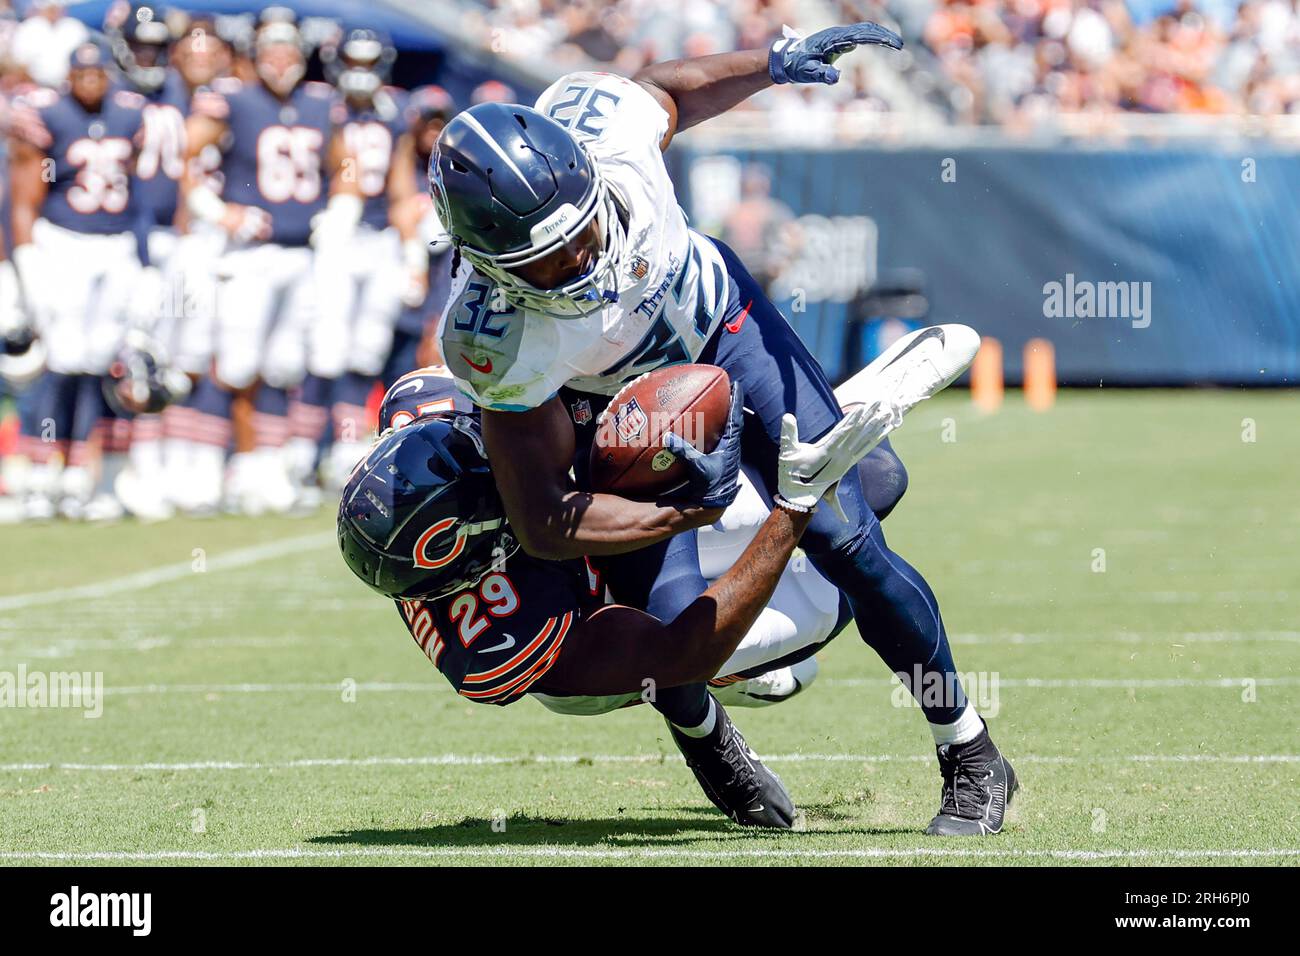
x=420 y=516
x=418 y=393
x=512 y=185
x=141 y=380
x=140 y=37
x=360 y=62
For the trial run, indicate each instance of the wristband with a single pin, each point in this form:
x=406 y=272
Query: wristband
x=781 y=502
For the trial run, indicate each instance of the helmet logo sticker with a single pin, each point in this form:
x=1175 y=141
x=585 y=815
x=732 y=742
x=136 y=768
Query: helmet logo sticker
x=422 y=560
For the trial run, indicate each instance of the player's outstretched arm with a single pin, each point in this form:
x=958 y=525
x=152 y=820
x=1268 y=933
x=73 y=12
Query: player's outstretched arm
x=531 y=453
x=696 y=89
x=619 y=650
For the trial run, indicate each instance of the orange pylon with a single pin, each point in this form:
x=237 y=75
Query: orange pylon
x=986 y=385
x=1040 y=374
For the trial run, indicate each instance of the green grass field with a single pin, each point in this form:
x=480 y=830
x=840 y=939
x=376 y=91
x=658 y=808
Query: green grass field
x=1151 y=710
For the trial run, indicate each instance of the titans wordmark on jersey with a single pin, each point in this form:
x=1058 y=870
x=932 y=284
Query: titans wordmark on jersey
x=672 y=292
x=495 y=640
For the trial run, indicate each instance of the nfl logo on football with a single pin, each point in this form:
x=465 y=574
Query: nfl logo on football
x=629 y=422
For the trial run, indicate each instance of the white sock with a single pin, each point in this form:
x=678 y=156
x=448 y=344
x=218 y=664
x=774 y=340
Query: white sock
x=147 y=459
x=962 y=730
x=706 y=727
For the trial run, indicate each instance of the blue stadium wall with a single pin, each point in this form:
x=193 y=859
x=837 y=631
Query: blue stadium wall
x=1216 y=235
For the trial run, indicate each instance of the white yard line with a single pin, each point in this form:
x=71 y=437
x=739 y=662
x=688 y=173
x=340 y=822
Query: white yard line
x=1031 y=683
x=1058 y=683
x=152 y=577
x=507 y=851
x=1131 y=637
x=477 y=760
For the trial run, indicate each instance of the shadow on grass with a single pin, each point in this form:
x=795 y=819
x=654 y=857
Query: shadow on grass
x=694 y=825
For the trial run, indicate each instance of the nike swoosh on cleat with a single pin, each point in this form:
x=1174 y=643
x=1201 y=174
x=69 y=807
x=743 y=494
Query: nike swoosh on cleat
x=934 y=332
x=485 y=368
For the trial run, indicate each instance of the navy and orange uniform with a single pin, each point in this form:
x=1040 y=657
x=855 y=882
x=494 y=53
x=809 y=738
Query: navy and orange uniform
x=274 y=151
x=92 y=153
x=161 y=159
x=370 y=137
x=495 y=640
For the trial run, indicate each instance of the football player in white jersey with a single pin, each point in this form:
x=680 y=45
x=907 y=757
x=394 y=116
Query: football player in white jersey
x=583 y=274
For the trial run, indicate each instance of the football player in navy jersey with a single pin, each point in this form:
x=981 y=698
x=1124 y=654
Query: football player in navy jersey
x=426 y=247
x=180 y=301
x=421 y=522
x=72 y=156
x=360 y=276
x=141 y=38
x=274 y=136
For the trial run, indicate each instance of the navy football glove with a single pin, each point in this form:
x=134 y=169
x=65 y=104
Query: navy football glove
x=796 y=59
x=714 y=479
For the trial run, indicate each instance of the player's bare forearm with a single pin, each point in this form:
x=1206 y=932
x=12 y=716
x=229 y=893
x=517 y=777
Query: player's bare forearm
x=619 y=650
x=201 y=132
x=531 y=454
x=700 y=88
x=584 y=524
x=27 y=189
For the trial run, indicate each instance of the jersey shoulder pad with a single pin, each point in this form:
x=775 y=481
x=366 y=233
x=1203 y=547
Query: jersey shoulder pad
x=616 y=117
x=26 y=119
x=319 y=90
x=499 y=360
x=39 y=98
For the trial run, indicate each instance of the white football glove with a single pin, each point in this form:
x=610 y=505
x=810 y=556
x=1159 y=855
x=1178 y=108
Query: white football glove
x=810 y=473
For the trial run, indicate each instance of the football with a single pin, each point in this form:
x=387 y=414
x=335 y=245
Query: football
x=628 y=457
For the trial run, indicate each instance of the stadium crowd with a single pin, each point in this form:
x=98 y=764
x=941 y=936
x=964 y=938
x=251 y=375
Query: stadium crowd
x=986 y=61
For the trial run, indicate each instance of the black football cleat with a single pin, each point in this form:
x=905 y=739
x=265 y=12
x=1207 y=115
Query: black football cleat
x=978 y=783
x=733 y=777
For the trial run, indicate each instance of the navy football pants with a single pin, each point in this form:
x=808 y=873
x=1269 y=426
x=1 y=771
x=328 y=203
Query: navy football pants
x=896 y=612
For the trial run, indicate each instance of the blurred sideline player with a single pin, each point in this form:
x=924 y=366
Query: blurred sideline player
x=187 y=323
x=163 y=309
x=274 y=135
x=359 y=255
x=72 y=155
x=426 y=247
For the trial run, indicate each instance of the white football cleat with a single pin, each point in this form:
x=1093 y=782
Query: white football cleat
x=770 y=688
x=919 y=365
